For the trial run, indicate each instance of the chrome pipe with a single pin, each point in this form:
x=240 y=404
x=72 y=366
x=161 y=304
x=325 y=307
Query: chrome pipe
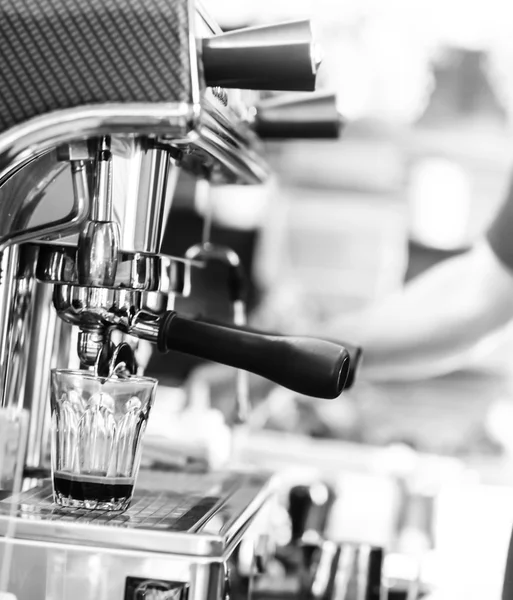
x=97 y=256
x=101 y=209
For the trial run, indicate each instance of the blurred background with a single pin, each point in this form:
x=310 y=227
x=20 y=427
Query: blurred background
x=426 y=89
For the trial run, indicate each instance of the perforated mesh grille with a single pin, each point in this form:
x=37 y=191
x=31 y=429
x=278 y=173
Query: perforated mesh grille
x=57 y=54
x=167 y=511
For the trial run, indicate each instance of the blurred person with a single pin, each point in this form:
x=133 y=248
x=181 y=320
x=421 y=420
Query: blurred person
x=450 y=317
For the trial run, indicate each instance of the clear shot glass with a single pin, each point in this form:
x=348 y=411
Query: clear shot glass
x=97 y=431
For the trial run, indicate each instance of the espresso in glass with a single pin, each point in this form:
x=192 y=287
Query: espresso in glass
x=97 y=430
x=92 y=491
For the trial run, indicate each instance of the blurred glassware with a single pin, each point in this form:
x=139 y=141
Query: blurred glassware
x=13 y=439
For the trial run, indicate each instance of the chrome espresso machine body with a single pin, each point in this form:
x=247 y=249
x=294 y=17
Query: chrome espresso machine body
x=115 y=97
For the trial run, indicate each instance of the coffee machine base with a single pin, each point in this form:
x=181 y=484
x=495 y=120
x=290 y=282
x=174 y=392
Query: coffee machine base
x=179 y=543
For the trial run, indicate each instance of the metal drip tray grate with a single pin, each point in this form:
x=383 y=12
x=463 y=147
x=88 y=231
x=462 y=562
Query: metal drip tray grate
x=189 y=514
x=149 y=510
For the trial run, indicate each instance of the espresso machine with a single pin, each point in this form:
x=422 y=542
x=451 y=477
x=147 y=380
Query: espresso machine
x=115 y=98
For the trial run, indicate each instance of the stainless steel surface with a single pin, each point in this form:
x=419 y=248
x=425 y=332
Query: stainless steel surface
x=86 y=572
x=98 y=247
x=80 y=188
x=12 y=329
x=34 y=345
x=207 y=251
x=145 y=327
x=95 y=309
x=97 y=257
x=20 y=144
x=33 y=196
x=142 y=211
x=101 y=209
x=197 y=515
x=275 y=57
x=47 y=348
x=227 y=147
x=122 y=356
x=77 y=151
x=208 y=582
x=57 y=263
x=98 y=309
x=90 y=344
x=96 y=306
x=31 y=339
x=18 y=203
x=180 y=125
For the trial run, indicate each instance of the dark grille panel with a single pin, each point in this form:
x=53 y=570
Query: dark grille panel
x=57 y=54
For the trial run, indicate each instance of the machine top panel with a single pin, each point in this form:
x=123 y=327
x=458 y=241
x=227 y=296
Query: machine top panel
x=58 y=55
x=197 y=514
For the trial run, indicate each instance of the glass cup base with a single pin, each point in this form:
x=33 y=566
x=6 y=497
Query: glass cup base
x=118 y=504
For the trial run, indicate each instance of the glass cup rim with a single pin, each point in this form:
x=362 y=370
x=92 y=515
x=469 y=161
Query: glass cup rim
x=92 y=377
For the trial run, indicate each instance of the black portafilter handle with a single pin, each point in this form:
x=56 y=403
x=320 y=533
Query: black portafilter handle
x=280 y=57
x=305 y=365
x=355 y=360
x=355 y=354
x=299 y=116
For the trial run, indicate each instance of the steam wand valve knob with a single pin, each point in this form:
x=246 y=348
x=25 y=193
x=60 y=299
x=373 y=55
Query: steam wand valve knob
x=271 y=57
x=298 y=116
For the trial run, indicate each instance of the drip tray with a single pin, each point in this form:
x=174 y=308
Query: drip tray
x=149 y=510
x=200 y=516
